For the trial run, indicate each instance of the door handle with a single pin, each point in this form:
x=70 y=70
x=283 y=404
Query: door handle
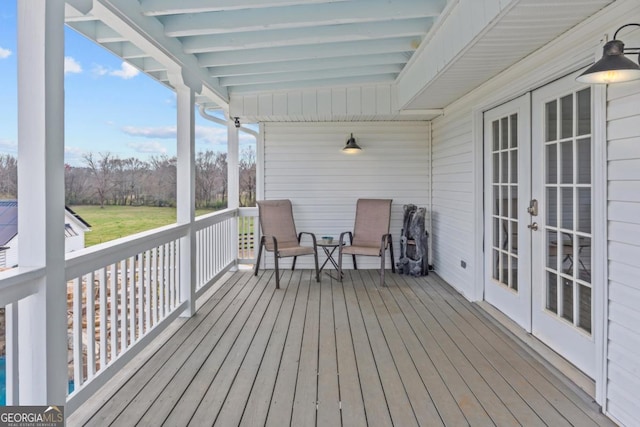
x=533 y=226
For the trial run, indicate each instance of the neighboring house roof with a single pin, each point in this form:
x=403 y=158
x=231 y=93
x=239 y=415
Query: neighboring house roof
x=9 y=220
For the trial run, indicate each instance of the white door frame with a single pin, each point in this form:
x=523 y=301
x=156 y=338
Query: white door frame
x=599 y=272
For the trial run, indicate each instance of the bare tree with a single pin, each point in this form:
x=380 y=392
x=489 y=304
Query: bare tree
x=102 y=171
x=248 y=177
x=8 y=176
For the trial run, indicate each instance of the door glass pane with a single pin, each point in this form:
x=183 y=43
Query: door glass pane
x=514 y=202
x=584 y=210
x=514 y=237
x=584 y=259
x=496 y=135
x=551 y=121
x=552 y=163
x=583 y=148
x=565 y=247
x=505 y=269
x=496 y=200
x=567 y=299
x=584 y=308
x=505 y=166
x=566 y=124
x=496 y=168
x=584 y=111
x=552 y=249
x=514 y=130
x=514 y=273
x=566 y=195
x=496 y=265
x=552 y=206
x=496 y=232
x=566 y=162
x=504 y=133
x=552 y=292
x=514 y=166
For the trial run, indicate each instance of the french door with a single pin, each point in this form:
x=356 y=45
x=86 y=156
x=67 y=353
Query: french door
x=507 y=192
x=538 y=216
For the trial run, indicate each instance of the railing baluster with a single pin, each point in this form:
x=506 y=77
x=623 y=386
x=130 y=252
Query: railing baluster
x=131 y=291
x=77 y=332
x=147 y=290
x=140 y=288
x=91 y=325
x=124 y=324
x=154 y=284
x=113 y=330
x=103 y=317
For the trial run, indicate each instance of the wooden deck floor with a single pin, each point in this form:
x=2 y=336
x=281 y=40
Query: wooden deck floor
x=331 y=354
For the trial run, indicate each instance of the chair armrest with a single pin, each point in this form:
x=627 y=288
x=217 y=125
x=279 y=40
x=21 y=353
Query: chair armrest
x=342 y=242
x=385 y=241
x=313 y=237
x=275 y=242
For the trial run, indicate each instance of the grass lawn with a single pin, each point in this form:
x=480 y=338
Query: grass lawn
x=114 y=222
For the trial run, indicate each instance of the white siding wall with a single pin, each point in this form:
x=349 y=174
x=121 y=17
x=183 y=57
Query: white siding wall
x=452 y=188
x=623 y=152
x=304 y=162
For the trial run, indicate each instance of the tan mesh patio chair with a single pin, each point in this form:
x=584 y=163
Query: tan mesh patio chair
x=370 y=235
x=279 y=235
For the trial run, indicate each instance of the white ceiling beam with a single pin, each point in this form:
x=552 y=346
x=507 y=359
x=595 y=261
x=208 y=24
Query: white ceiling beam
x=310 y=64
x=310 y=75
x=300 y=36
x=170 y=7
x=328 y=50
x=298 y=16
x=326 y=83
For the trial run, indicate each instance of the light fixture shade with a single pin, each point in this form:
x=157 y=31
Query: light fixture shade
x=351 y=147
x=613 y=67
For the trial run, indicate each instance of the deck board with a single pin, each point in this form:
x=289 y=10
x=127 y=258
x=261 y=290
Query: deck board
x=354 y=353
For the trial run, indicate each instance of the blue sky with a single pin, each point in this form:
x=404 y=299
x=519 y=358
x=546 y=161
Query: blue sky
x=109 y=105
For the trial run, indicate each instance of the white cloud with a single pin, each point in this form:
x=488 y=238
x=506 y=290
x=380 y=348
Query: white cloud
x=99 y=70
x=74 y=156
x=71 y=65
x=5 y=53
x=149 y=147
x=165 y=132
x=210 y=135
x=126 y=71
x=8 y=146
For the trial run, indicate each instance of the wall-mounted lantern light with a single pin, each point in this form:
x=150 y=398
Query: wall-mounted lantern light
x=613 y=67
x=351 y=147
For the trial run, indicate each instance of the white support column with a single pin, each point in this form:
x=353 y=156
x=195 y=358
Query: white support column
x=186 y=193
x=233 y=178
x=43 y=316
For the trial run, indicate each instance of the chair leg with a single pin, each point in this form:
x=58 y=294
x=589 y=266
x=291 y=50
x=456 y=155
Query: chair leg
x=355 y=266
x=382 y=269
x=275 y=261
x=340 y=264
x=293 y=266
x=255 y=272
x=393 y=262
x=315 y=256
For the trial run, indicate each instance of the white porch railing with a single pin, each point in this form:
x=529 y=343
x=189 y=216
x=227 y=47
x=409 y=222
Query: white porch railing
x=122 y=294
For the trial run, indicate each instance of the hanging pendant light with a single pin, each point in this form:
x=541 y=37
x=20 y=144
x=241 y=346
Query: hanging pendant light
x=351 y=147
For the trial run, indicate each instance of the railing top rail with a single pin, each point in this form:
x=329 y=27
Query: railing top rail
x=204 y=221
x=90 y=259
x=18 y=283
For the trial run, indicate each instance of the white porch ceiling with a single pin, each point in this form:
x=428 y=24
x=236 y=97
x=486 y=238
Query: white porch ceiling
x=239 y=48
